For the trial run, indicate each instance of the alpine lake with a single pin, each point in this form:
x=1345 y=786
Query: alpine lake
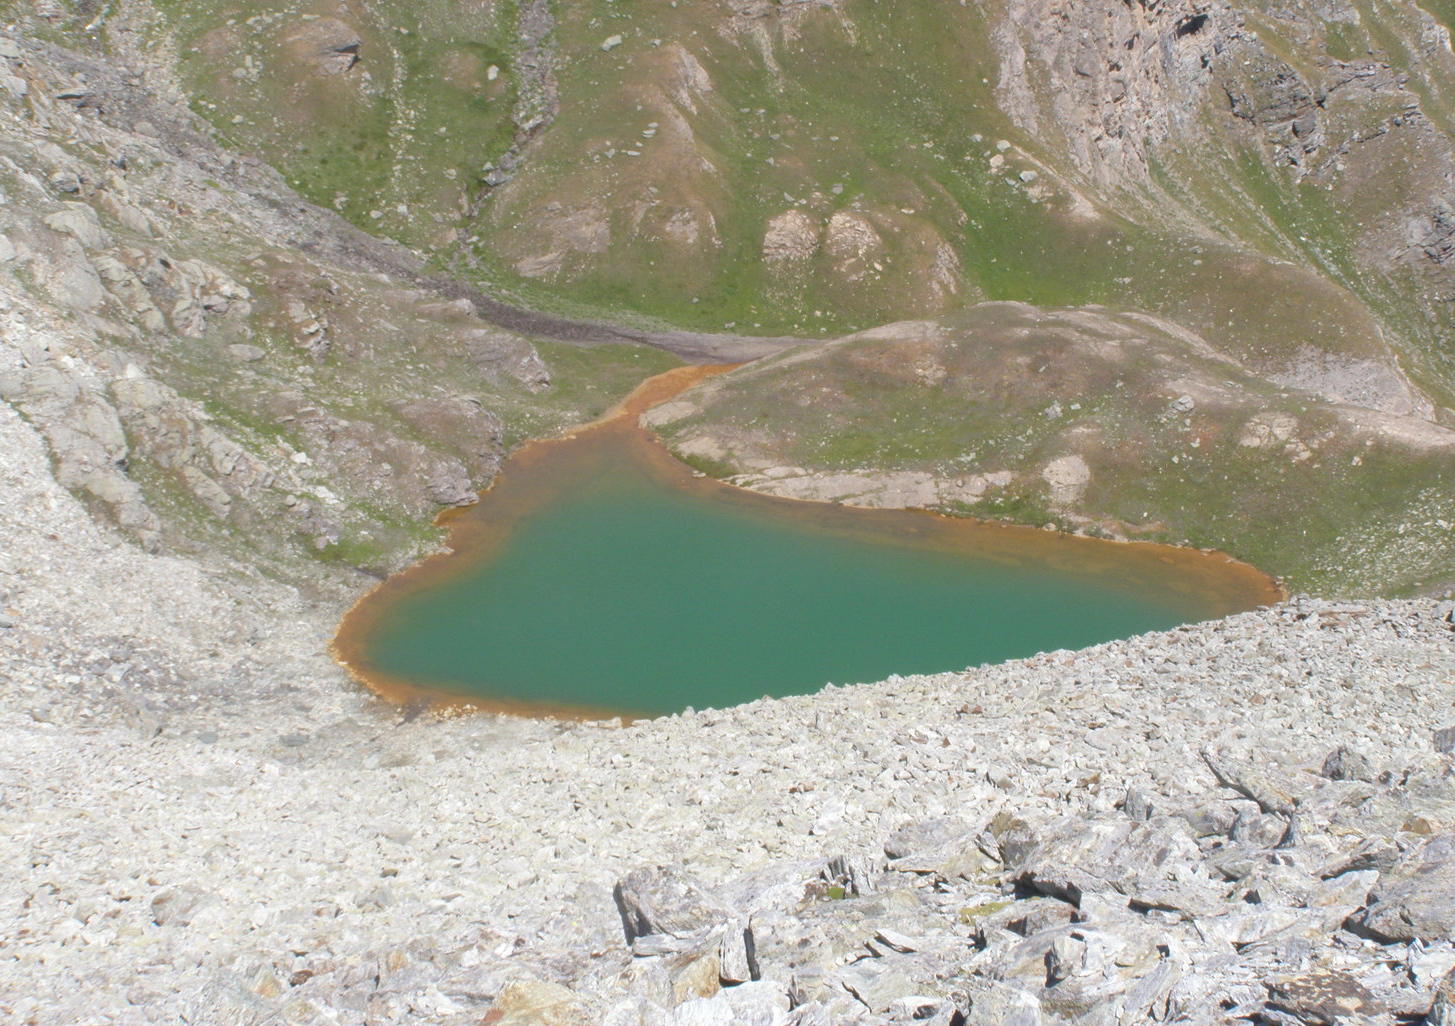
x=601 y=577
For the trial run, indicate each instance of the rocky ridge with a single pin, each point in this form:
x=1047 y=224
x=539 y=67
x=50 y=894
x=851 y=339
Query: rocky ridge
x=216 y=363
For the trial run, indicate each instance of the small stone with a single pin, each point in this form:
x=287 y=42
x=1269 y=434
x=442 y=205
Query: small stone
x=664 y=900
x=176 y=905
x=1029 y=176
x=737 y=955
x=763 y=1001
x=924 y=1008
x=1036 y=914
x=9 y=49
x=1137 y=805
x=715 y=1010
x=1064 y=958
x=245 y=353
x=536 y=1002
x=1210 y=818
x=6 y=622
x=266 y=985
x=876 y=986
x=1260 y=829
x=1345 y=763
x=611 y=43
x=699 y=975
x=896 y=941
x=1444 y=739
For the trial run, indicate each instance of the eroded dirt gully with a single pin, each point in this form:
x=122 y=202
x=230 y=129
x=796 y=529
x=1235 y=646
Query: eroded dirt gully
x=542 y=470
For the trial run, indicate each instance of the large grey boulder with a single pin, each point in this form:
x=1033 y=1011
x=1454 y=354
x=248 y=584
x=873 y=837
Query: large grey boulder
x=80 y=222
x=1347 y=763
x=1000 y=1004
x=1442 y=1008
x=68 y=276
x=925 y=835
x=1273 y=795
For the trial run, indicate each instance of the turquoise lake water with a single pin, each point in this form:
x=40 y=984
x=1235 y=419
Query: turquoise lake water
x=610 y=588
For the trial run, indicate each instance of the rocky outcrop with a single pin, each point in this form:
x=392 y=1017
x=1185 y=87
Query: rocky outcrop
x=331 y=46
x=195 y=370
x=1413 y=899
x=792 y=235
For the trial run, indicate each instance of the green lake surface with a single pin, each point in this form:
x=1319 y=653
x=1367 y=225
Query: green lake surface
x=607 y=584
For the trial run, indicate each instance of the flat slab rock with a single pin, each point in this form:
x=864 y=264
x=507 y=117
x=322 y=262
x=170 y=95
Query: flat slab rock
x=1323 y=997
x=1415 y=899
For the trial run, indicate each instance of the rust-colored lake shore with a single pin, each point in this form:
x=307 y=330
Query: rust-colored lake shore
x=540 y=471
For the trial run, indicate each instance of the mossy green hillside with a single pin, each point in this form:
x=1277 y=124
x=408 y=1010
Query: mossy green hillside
x=650 y=192
x=897 y=121
x=392 y=132
x=1179 y=445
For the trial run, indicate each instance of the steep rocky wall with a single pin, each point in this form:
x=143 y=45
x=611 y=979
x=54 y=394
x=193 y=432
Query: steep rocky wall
x=1233 y=120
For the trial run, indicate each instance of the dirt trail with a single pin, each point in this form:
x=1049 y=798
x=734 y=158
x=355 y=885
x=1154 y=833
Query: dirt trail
x=693 y=346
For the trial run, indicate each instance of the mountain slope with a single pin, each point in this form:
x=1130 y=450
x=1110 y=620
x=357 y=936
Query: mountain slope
x=218 y=367
x=1254 y=200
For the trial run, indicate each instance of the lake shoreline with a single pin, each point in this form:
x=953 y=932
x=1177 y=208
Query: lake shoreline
x=396 y=860
x=1227 y=584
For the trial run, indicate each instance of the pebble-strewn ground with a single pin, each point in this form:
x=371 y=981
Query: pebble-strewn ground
x=201 y=820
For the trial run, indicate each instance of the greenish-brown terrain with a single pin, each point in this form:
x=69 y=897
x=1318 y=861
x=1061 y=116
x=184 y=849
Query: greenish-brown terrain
x=1154 y=270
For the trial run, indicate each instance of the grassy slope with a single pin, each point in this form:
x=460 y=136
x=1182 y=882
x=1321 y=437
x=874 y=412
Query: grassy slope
x=1333 y=509
x=887 y=110
x=890 y=114
x=410 y=126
